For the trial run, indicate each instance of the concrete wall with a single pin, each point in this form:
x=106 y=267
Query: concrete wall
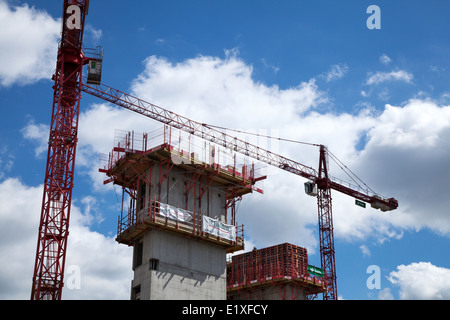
x=185 y=268
x=287 y=292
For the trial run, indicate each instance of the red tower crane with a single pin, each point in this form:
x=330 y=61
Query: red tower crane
x=55 y=213
x=54 y=222
x=320 y=182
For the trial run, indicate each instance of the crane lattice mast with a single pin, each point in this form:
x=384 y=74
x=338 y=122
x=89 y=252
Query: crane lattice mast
x=53 y=232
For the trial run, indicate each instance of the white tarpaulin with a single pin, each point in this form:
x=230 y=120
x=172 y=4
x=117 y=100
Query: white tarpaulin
x=217 y=228
x=174 y=213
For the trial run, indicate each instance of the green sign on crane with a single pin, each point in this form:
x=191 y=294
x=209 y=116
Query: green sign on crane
x=360 y=203
x=315 y=271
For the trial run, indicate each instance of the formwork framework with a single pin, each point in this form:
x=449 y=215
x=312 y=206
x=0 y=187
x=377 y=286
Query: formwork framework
x=198 y=163
x=282 y=267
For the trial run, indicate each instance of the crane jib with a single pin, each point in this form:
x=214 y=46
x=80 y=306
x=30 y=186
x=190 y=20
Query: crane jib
x=206 y=132
x=196 y=128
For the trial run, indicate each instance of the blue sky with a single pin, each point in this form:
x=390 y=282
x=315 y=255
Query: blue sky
x=310 y=71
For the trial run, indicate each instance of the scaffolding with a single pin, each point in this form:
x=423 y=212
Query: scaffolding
x=149 y=165
x=185 y=148
x=282 y=267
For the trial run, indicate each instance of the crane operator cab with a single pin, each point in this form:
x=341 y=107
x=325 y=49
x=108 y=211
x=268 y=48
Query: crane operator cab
x=94 y=75
x=311 y=188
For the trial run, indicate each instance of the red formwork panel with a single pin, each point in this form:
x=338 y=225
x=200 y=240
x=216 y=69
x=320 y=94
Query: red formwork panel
x=280 y=261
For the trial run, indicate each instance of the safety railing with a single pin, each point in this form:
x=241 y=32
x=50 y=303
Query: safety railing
x=186 y=149
x=194 y=223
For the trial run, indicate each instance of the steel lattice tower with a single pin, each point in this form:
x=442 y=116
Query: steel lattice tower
x=55 y=213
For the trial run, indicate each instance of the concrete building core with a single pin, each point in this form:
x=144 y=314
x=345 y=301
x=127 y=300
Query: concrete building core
x=168 y=266
x=179 y=198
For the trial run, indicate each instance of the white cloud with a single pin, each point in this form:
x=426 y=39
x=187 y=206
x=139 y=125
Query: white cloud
x=422 y=281
x=365 y=250
x=29 y=39
x=94 y=33
x=337 y=71
x=379 y=77
x=420 y=123
x=6 y=161
x=212 y=87
x=104 y=265
x=269 y=66
x=384 y=59
x=407 y=156
x=38 y=133
x=19 y=220
x=385 y=294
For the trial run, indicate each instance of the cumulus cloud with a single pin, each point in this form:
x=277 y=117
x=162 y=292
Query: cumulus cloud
x=379 y=77
x=29 y=39
x=419 y=123
x=103 y=265
x=208 y=87
x=422 y=281
x=408 y=157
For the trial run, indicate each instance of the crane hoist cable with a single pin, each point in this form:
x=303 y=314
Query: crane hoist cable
x=261 y=135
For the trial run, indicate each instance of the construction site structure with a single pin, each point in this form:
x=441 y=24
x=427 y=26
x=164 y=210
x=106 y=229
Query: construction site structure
x=178 y=211
x=279 y=272
x=48 y=275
